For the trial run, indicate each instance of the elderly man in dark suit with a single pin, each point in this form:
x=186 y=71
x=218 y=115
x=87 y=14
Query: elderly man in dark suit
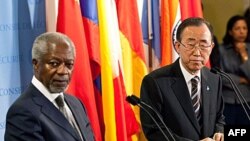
x=185 y=93
x=44 y=112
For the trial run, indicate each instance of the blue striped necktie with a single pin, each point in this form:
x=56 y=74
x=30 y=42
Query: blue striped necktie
x=195 y=96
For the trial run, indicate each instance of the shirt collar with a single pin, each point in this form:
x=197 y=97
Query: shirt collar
x=44 y=90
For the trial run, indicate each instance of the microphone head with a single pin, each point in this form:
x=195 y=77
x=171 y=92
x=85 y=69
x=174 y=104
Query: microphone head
x=214 y=70
x=133 y=100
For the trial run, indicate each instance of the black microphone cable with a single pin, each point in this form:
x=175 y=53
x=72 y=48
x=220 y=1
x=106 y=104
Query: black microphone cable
x=159 y=116
x=136 y=101
x=235 y=88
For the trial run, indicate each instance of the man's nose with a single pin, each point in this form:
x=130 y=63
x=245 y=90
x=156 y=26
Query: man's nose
x=197 y=51
x=62 y=69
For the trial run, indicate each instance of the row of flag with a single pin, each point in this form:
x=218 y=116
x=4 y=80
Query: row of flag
x=160 y=19
x=109 y=64
x=117 y=43
x=110 y=53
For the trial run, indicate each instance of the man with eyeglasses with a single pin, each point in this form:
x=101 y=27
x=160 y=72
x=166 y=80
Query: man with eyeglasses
x=186 y=94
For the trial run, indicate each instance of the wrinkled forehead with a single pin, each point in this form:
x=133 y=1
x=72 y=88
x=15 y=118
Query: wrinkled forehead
x=61 y=47
x=196 y=33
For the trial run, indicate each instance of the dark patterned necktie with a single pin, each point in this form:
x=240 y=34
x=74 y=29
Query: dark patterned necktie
x=195 y=97
x=61 y=105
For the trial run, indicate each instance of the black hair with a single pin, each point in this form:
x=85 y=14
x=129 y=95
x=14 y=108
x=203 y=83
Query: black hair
x=228 y=39
x=194 y=21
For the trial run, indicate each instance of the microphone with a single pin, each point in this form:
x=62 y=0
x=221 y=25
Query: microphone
x=235 y=88
x=137 y=101
x=133 y=100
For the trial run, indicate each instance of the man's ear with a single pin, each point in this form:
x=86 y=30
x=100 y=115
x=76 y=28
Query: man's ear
x=177 y=47
x=35 y=64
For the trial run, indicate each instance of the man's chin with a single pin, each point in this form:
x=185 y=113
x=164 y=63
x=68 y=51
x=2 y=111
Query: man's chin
x=197 y=66
x=57 y=89
x=194 y=70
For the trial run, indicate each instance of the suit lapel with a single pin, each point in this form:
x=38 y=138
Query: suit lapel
x=79 y=118
x=181 y=91
x=206 y=97
x=49 y=110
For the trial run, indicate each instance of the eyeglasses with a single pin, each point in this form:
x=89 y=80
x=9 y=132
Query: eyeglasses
x=200 y=45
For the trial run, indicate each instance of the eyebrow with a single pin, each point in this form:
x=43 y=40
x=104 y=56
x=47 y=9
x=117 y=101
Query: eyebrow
x=191 y=39
x=201 y=40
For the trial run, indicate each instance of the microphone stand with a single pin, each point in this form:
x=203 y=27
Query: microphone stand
x=136 y=101
x=235 y=88
x=165 y=136
x=159 y=116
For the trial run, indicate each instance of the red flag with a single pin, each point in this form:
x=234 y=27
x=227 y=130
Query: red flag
x=91 y=27
x=134 y=64
x=70 y=23
x=190 y=8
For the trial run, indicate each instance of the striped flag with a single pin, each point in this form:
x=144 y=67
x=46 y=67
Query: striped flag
x=70 y=23
x=151 y=32
x=172 y=12
x=117 y=45
x=111 y=76
x=170 y=18
x=91 y=27
x=134 y=65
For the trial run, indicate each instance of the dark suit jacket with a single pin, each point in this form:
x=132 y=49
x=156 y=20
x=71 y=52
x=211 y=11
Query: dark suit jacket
x=165 y=90
x=33 y=117
x=231 y=63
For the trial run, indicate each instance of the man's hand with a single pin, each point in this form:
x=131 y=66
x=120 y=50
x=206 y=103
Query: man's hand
x=218 y=137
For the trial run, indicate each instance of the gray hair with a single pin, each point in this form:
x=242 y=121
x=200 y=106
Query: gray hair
x=43 y=42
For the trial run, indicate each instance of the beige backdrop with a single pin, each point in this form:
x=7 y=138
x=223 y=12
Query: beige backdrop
x=218 y=12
